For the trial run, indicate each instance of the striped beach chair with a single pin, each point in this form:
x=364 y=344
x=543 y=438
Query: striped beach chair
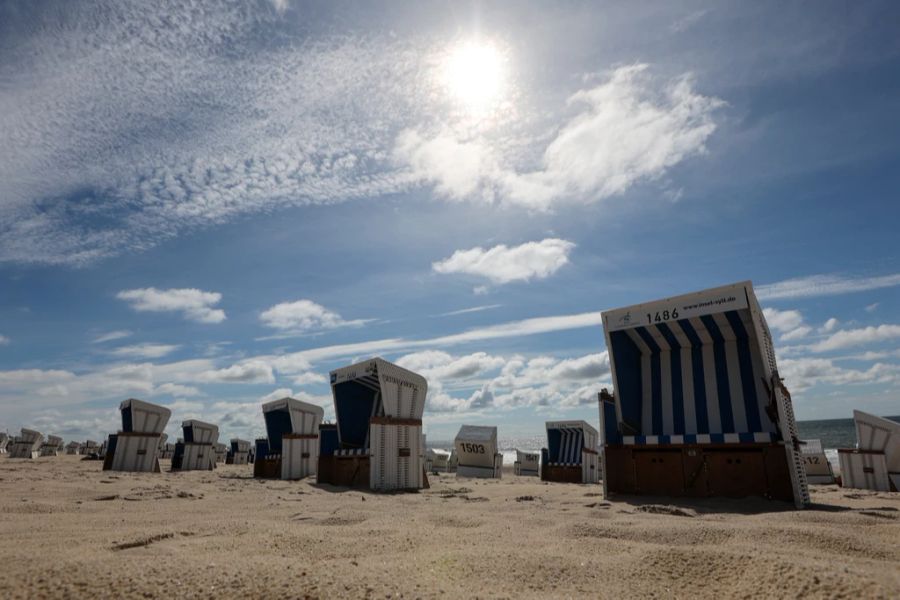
x=479 y=455
x=136 y=446
x=699 y=408
x=291 y=449
x=527 y=464
x=376 y=441
x=196 y=451
x=571 y=453
x=26 y=445
x=875 y=462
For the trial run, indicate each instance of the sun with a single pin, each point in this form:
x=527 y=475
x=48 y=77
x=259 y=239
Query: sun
x=473 y=73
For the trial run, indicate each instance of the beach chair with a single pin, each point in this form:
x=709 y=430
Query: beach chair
x=571 y=453
x=875 y=462
x=291 y=448
x=163 y=443
x=439 y=459
x=238 y=452
x=221 y=453
x=26 y=445
x=818 y=469
x=4 y=442
x=476 y=447
x=136 y=447
x=90 y=449
x=51 y=445
x=453 y=461
x=196 y=451
x=376 y=442
x=527 y=464
x=699 y=408
x=73 y=448
x=167 y=451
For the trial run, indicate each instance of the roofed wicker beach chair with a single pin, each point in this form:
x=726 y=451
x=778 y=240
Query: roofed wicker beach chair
x=73 y=448
x=440 y=460
x=135 y=447
x=818 y=469
x=221 y=453
x=699 y=408
x=527 y=463
x=291 y=448
x=196 y=451
x=51 y=446
x=479 y=456
x=26 y=445
x=238 y=452
x=4 y=442
x=571 y=453
x=875 y=462
x=376 y=441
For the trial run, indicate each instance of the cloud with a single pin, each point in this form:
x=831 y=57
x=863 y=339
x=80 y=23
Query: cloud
x=857 y=337
x=804 y=373
x=145 y=350
x=824 y=285
x=195 y=305
x=630 y=128
x=782 y=320
x=4 y=340
x=502 y=264
x=465 y=311
x=303 y=316
x=111 y=336
x=176 y=390
x=872 y=307
x=250 y=371
x=829 y=325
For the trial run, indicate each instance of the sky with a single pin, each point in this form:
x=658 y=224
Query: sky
x=210 y=205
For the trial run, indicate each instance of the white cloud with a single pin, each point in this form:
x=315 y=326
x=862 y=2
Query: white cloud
x=195 y=305
x=309 y=378
x=249 y=371
x=782 y=320
x=872 y=307
x=303 y=316
x=829 y=325
x=4 y=340
x=824 y=285
x=145 y=350
x=503 y=264
x=177 y=390
x=630 y=128
x=857 y=337
x=803 y=373
x=796 y=334
x=112 y=335
x=465 y=311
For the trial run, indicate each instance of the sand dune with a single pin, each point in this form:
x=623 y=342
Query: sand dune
x=69 y=529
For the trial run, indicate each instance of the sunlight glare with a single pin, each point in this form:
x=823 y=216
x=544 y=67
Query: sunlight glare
x=473 y=73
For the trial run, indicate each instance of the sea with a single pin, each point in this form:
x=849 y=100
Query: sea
x=834 y=434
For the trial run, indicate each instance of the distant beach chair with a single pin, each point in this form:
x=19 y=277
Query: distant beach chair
x=699 y=407
x=453 y=461
x=376 y=441
x=26 y=445
x=239 y=452
x=73 y=448
x=527 y=463
x=289 y=451
x=221 y=453
x=439 y=461
x=875 y=462
x=167 y=451
x=571 y=453
x=90 y=449
x=818 y=469
x=476 y=447
x=4 y=442
x=163 y=443
x=136 y=447
x=197 y=451
x=51 y=446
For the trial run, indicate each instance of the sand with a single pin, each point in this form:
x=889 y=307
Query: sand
x=70 y=530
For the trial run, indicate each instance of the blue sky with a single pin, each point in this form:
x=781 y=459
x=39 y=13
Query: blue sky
x=206 y=205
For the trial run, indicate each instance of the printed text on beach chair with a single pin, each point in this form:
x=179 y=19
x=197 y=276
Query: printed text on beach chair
x=378 y=411
x=476 y=447
x=527 y=463
x=699 y=408
x=875 y=462
x=571 y=453
x=291 y=448
x=818 y=469
x=197 y=450
x=136 y=446
x=26 y=445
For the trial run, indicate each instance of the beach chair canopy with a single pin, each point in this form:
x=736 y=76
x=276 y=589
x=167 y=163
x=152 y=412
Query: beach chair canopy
x=143 y=417
x=876 y=434
x=693 y=365
x=289 y=416
x=54 y=440
x=199 y=432
x=374 y=388
x=565 y=440
x=239 y=445
x=30 y=436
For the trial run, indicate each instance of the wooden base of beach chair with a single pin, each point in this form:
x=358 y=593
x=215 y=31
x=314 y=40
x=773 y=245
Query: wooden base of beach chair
x=561 y=474
x=700 y=471
x=267 y=468
x=344 y=471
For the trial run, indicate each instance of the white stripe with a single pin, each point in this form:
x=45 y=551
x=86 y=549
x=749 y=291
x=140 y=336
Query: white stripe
x=732 y=438
x=733 y=366
x=687 y=380
x=709 y=376
x=646 y=397
x=665 y=371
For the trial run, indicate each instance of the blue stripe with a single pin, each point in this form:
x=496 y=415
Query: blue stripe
x=677 y=387
x=746 y=365
x=721 y=373
x=629 y=386
x=717 y=438
x=700 y=409
x=656 y=424
x=690 y=438
x=746 y=437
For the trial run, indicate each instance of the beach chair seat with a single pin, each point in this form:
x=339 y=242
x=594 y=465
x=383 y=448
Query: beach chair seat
x=196 y=451
x=527 y=464
x=699 y=408
x=478 y=452
x=26 y=445
x=376 y=441
x=875 y=462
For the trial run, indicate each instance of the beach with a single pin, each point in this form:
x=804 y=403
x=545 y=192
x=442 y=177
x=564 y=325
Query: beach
x=72 y=530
